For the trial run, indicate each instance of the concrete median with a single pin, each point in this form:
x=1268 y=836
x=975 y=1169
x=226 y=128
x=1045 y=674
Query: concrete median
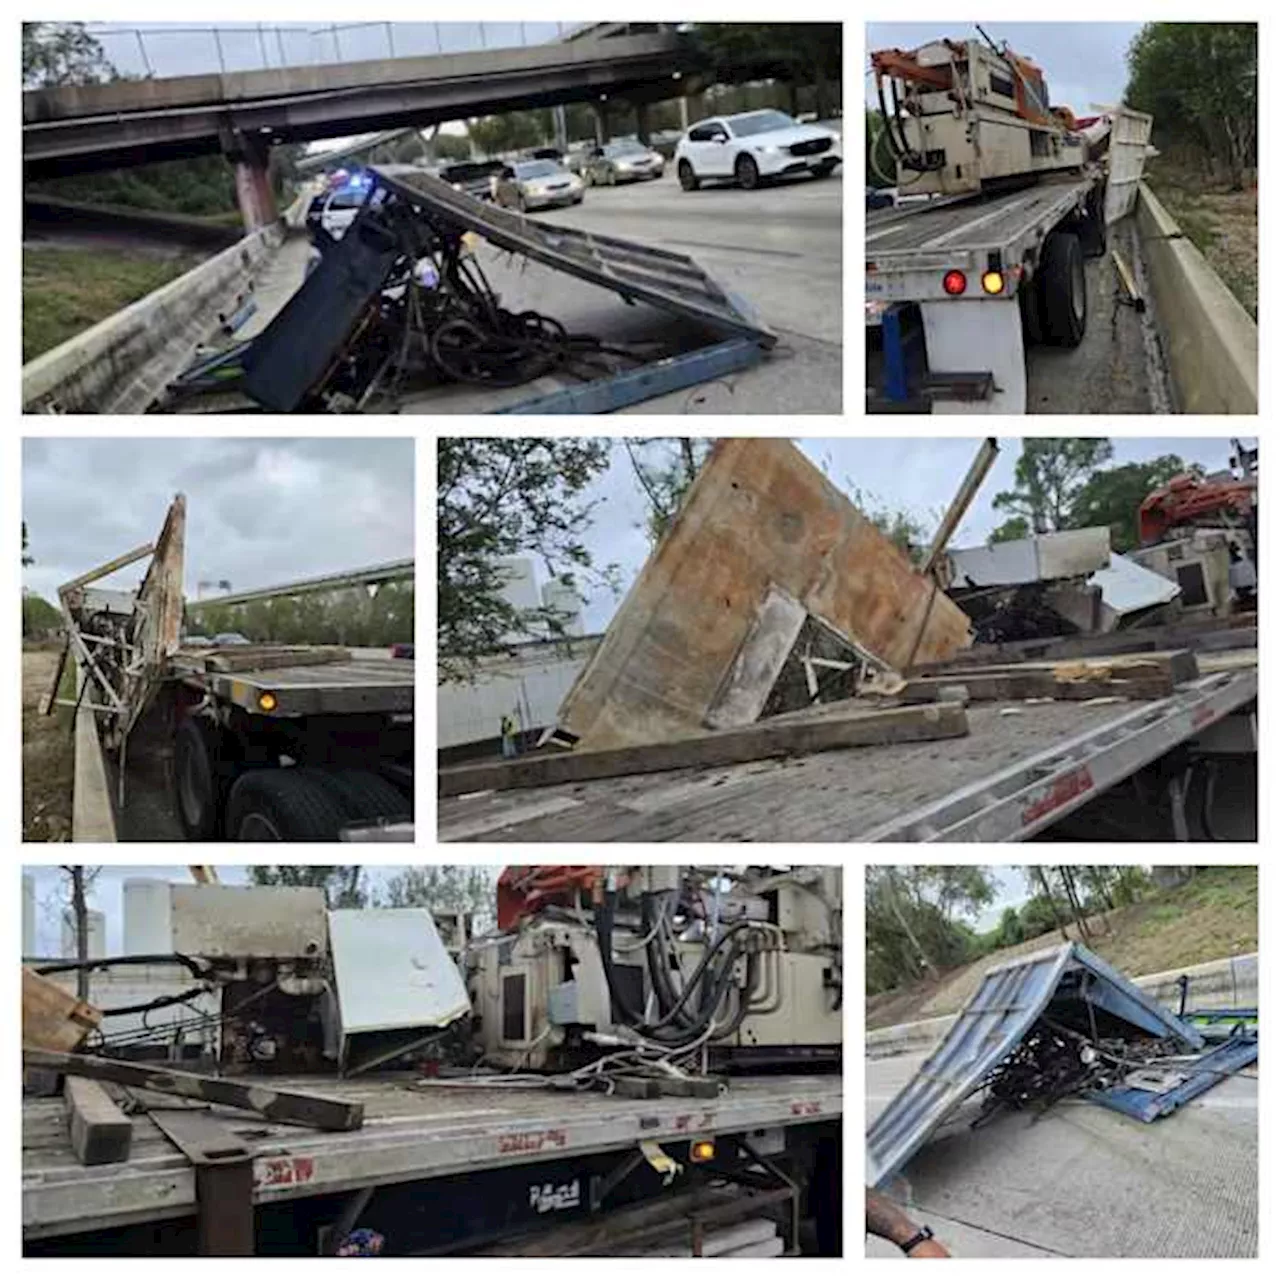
x=121 y=364
x=92 y=816
x=1231 y=982
x=1211 y=340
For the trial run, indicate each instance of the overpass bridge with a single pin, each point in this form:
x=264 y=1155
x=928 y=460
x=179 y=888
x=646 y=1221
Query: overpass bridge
x=79 y=128
x=374 y=575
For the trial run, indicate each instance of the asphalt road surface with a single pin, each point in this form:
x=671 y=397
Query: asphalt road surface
x=1082 y=1181
x=779 y=248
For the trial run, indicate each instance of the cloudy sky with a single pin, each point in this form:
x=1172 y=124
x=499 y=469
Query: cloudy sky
x=259 y=512
x=917 y=475
x=1083 y=62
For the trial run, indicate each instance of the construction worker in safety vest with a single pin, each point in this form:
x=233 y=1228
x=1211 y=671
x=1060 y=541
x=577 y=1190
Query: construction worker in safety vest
x=508 y=737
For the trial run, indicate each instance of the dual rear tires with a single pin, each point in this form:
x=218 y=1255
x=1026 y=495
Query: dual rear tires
x=217 y=798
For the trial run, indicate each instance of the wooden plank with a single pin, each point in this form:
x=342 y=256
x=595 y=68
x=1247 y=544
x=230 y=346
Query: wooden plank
x=267 y=658
x=100 y=1132
x=761 y=741
x=1237 y=632
x=276 y=1104
x=53 y=1018
x=1156 y=677
x=1179 y=664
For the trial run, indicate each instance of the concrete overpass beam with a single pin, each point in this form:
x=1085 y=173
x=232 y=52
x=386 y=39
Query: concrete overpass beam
x=642 y=122
x=252 y=161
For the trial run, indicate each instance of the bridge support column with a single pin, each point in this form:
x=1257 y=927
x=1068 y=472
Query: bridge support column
x=252 y=160
x=642 y=122
x=600 y=110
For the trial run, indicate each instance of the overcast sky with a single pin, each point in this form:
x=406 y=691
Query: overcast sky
x=917 y=475
x=1083 y=62
x=260 y=513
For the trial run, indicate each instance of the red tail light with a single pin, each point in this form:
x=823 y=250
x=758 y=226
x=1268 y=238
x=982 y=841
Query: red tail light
x=954 y=283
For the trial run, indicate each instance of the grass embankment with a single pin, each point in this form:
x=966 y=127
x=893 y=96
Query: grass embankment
x=1221 y=223
x=66 y=291
x=1214 y=915
x=48 y=750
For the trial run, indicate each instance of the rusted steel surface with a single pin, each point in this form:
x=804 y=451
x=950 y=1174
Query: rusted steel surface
x=760 y=522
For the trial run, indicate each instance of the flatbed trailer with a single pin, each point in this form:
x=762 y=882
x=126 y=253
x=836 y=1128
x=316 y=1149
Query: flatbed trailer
x=1025 y=769
x=436 y=1167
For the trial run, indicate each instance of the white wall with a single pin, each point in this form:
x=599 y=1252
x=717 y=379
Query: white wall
x=28 y=916
x=97 y=935
x=146 y=917
x=531 y=692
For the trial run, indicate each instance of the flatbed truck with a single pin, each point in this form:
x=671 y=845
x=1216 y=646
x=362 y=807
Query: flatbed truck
x=440 y=1167
x=1182 y=766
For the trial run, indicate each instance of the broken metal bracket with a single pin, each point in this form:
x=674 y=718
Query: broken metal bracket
x=224 y=1180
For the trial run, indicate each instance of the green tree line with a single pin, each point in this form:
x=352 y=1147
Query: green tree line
x=351 y=617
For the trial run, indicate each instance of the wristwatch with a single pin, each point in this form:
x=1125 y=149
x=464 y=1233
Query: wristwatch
x=925 y=1233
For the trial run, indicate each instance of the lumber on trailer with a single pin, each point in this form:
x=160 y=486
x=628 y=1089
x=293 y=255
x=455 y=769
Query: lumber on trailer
x=1200 y=635
x=275 y=1104
x=1148 y=676
x=51 y=1017
x=761 y=741
x=100 y=1132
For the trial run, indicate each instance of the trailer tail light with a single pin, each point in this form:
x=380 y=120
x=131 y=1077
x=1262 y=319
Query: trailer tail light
x=954 y=283
x=267 y=702
x=702 y=1151
x=992 y=282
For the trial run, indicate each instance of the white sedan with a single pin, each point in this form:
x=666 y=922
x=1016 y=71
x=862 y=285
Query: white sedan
x=752 y=146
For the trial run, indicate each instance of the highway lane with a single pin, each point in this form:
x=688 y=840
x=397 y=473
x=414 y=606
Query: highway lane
x=1083 y=1181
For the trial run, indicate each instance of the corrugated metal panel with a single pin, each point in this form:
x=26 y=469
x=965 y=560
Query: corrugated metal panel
x=1008 y=1001
x=1178 y=1085
x=672 y=281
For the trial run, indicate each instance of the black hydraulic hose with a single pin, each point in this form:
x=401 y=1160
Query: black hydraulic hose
x=910 y=157
x=197 y=968
x=657 y=956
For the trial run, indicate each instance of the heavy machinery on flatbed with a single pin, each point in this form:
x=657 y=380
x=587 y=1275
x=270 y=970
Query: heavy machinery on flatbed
x=260 y=741
x=369 y=1089
x=1014 y=196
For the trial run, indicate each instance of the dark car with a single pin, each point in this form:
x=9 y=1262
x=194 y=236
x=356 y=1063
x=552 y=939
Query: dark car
x=878 y=199
x=475 y=177
x=402 y=650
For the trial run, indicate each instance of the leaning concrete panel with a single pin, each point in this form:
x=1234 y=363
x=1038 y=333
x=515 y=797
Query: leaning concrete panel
x=760 y=524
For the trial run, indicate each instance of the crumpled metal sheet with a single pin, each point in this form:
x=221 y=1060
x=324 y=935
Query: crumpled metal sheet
x=1003 y=1009
x=639 y=273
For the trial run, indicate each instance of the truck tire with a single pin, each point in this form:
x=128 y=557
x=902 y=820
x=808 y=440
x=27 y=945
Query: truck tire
x=200 y=778
x=1093 y=226
x=1029 y=306
x=1064 y=302
x=284 y=804
x=366 y=796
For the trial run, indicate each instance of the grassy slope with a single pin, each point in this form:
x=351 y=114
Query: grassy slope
x=1222 y=224
x=1214 y=915
x=65 y=291
x=48 y=752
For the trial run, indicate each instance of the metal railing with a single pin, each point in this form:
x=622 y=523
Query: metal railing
x=160 y=51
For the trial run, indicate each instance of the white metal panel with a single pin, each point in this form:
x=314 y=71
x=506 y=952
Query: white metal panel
x=1069 y=554
x=1130 y=134
x=392 y=971
x=1128 y=586
x=242 y=921
x=531 y=692
x=964 y=336
x=1072 y=552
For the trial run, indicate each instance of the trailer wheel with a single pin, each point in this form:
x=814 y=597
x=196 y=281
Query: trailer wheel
x=1064 y=305
x=368 y=796
x=284 y=804
x=200 y=778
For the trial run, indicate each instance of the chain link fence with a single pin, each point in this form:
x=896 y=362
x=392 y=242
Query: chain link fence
x=162 y=51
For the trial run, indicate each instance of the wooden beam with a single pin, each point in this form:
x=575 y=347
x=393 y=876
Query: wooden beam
x=1149 y=676
x=275 y=1104
x=100 y=1132
x=761 y=741
x=53 y=1018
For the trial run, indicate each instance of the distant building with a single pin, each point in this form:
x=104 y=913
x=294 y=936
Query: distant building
x=97 y=931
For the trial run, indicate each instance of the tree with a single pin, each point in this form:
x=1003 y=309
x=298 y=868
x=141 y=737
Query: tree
x=512 y=131
x=795 y=52
x=1073 y=900
x=38 y=616
x=26 y=557
x=469 y=890
x=1112 y=497
x=80 y=882
x=665 y=468
x=449 y=146
x=62 y=53
x=905 y=530
x=341 y=885
x=1011 y=530
x=497 y=498
x=1049 y=476
x=1200 y=82
x=1037 y=876
x=1010 y=931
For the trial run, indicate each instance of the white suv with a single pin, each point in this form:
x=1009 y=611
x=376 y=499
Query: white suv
x=752 y=146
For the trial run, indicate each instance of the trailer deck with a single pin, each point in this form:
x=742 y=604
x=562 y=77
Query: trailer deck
x=1022 y=767
x=411 y=1131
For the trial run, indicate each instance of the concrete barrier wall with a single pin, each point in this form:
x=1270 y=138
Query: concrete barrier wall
x=92 y=816
x=1211 y=341
x=123 y=363
x=1228 y=983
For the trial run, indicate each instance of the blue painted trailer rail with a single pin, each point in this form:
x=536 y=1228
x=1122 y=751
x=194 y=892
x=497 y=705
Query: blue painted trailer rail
x=1188 y=1080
